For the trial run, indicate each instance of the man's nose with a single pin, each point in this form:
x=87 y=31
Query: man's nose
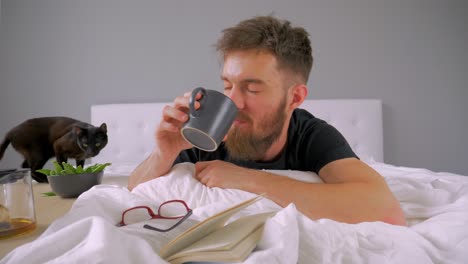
x=236 y=96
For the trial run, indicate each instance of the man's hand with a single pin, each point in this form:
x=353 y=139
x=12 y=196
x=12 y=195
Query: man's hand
x=167 y=136
x=169 y=142
x=222 y=174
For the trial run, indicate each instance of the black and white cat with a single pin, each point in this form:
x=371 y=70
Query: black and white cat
x=40 y=139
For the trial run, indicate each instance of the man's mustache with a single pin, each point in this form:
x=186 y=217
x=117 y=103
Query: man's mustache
x=241 y=116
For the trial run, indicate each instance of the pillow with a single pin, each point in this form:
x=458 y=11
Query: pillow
x=180 y=183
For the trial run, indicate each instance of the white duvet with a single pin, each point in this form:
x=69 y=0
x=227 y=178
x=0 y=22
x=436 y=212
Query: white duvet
x=435 y=204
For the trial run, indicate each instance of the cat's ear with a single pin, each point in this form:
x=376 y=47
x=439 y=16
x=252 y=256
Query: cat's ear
x=103 y=127
x=77 y=130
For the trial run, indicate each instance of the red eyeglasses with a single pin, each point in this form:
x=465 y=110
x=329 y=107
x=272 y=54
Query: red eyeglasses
x=167 y=213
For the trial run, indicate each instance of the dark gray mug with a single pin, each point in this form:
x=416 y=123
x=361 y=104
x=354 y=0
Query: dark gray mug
x=208 y=125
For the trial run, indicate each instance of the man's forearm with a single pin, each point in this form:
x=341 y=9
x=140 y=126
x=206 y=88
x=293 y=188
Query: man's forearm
x=154 y=166
x=346 y=202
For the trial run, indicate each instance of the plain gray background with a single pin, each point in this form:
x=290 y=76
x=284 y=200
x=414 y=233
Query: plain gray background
x=60 y=57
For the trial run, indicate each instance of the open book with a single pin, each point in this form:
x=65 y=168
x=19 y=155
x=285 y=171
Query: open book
x=213 y=240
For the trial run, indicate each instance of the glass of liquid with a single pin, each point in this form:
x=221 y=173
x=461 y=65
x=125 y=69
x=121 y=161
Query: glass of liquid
x=17 y=214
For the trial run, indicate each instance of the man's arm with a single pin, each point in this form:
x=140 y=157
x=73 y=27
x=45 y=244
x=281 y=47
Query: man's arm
x=152 y=167
x=168 y=140
x=352 y=193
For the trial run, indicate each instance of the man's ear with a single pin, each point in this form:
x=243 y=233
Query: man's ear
x=297 y=95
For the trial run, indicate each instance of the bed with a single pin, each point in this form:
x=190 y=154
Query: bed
x=435 y=203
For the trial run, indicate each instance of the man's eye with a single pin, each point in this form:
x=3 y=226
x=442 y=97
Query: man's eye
x=227 y=88
x=252 y=91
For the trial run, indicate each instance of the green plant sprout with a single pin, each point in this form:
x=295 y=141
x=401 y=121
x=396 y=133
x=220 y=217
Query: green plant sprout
x=67 y=169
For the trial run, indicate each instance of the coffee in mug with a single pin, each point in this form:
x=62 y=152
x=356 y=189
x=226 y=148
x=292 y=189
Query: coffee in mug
x=208 y=124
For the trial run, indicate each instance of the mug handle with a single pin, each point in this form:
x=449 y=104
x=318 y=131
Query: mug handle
x=192 y=101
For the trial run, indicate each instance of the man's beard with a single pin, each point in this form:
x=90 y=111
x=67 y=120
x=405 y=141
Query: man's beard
x=248 y=145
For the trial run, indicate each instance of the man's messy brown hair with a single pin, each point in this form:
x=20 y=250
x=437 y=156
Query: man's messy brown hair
x=290 y=45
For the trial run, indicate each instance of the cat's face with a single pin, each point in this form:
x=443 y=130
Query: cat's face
x=92 y=139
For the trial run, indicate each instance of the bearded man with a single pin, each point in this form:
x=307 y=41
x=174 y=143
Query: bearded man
x=266 y=66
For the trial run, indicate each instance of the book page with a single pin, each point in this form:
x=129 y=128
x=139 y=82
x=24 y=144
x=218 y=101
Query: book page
x=226 y=238
x=203 y=228
x=237 y=254
x=162 y=238
x=155 y=238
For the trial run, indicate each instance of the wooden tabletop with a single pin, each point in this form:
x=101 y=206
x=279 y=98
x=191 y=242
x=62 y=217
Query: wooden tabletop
x=48 y=208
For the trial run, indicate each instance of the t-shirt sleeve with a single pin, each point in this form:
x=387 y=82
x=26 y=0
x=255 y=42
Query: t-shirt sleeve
x=324 y=144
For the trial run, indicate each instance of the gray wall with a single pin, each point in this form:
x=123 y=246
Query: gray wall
x=60 y=57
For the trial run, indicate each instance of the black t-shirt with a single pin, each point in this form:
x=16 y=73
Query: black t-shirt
x=311 y=144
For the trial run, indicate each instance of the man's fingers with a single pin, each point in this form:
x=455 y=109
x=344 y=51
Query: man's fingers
x=181 y=102
x=199 y=166
x=203 y=179
x=200 y=174
x=172 y=119
x=167 y=126
x=170 y=112
x=188 y=94
x=184 y=101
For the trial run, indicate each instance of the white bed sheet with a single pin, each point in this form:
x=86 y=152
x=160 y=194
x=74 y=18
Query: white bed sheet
x=435 y=204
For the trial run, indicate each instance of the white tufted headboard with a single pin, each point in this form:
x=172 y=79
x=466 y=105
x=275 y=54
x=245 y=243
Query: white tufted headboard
x=131 y=127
